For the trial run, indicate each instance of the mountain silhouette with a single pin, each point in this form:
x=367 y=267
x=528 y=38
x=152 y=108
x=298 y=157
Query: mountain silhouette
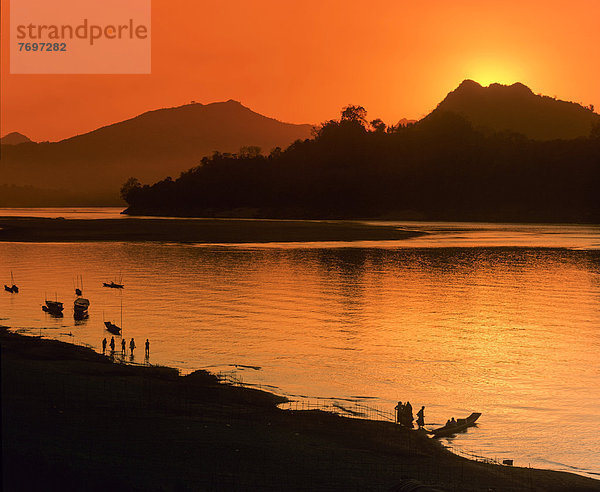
x=14 y=138
x=516 y=109
x=150 y=146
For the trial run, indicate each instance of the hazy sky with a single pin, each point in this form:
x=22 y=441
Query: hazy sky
x=302 y=60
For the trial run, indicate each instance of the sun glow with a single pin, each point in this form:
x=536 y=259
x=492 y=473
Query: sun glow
x=490 y=72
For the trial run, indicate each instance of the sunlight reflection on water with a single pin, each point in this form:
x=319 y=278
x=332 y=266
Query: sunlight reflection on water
x=509 y=332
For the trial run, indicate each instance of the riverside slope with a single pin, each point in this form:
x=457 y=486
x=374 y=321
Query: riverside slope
x=75 y=420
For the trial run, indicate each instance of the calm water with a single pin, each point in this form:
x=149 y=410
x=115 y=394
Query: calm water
x=66 y=212
x=495 y=327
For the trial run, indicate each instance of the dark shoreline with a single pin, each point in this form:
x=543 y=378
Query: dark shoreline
x=226 y=231
x=386 y=217
x=74 y=420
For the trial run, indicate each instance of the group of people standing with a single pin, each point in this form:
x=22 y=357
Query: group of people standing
x=404 y=415
x=132 y=346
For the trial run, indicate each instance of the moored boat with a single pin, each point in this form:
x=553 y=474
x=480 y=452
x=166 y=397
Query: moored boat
x=13 y=288
x=80 y=307
x=55 y=308
x=78 y=285
x=460 y=425
x=113 y=285
x=114 y=329
x=81 y=304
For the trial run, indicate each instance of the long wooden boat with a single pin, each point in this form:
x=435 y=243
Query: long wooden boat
x=113 y=285
x=461 y=425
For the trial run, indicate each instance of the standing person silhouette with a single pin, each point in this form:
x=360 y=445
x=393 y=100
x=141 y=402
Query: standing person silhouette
x=399 y=409
x=123 y=344
x=421 y=417
x=112 y=344
x=147 y=348
x=131 y=346
x=408 y=415
x=104 y=346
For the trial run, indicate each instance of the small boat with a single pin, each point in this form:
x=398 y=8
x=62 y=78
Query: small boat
x=13 y=288
x=113 y=285
x=55 y=308
x=81 y=304
x=460 y=425
x=79 y=286
x=80 y=307
x=114 y=329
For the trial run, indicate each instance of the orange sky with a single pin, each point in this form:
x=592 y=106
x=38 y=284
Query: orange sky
x=302 y=60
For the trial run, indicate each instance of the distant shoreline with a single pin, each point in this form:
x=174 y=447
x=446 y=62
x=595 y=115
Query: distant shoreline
x=70 y=412
x=227 y=231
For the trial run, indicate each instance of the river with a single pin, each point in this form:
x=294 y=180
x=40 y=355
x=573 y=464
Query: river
x=501 y=319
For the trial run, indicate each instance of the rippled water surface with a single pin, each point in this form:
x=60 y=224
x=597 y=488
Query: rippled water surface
x=495 y=327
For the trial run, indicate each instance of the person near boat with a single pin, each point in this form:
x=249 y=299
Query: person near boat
x=399 y=410
x=104 y=345
x=123 y=345
x=131 y=346
x=147 y=348
x=421 y=417
x=112 y=344
x=404 y=414
x=408 y=415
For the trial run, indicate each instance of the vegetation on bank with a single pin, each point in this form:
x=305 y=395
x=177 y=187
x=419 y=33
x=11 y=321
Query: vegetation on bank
x=440 y=168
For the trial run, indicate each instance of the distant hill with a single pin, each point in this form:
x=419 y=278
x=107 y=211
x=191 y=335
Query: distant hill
x=439 y=169
x=150 y=146
x=14 y=138
x=516 y=109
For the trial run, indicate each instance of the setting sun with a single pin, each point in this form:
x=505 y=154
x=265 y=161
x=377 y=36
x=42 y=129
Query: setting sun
x=490 y=71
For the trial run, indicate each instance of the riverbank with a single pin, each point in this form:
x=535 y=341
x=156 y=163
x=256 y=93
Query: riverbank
x=74 y=419
x=25 y=229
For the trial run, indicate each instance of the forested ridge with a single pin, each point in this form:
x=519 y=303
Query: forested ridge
x=441 y=168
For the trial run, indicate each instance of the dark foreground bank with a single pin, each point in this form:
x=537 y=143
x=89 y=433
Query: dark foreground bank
x=21 y=229
x=73 y=420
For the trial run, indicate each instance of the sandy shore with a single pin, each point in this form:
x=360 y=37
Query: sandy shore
x=21 y=229
x=75 y=420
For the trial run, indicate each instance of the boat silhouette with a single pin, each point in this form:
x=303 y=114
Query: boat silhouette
x=13 y=288
x=459 y=426
x=78 y=286
x=80 y=307
x=112 y=327
x=55 y=308
x=113 y=285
